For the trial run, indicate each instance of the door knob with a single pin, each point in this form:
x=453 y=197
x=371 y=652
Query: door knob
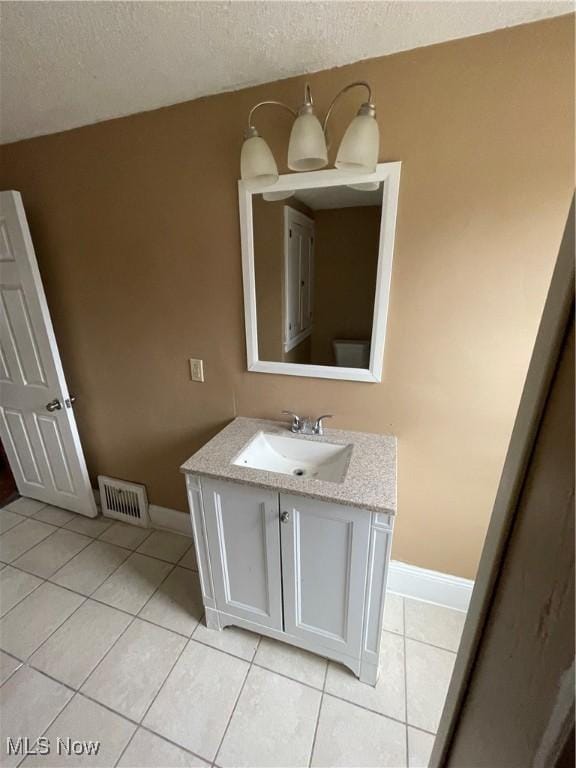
x=54 y=405
x=284 y=517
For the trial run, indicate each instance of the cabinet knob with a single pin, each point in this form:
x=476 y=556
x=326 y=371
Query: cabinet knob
x=284 y=516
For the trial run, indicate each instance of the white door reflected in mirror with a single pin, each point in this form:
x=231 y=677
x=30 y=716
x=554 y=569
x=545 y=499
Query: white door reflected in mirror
x=317 y=268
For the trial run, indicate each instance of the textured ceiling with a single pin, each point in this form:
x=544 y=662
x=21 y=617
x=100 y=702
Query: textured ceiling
x=66 y=64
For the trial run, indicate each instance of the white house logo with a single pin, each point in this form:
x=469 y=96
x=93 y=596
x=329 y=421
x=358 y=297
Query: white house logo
x=23 y=746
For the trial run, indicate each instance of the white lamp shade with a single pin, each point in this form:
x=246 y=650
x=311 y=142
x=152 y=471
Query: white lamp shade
x=257 y=164
x=270 y=197
x=307 y=148
x=360 y=146
x=369 y=186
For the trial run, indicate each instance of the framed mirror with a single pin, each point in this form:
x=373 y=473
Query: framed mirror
x=317 y=254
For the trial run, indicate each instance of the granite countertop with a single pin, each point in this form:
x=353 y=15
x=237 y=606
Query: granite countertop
x=369 y=483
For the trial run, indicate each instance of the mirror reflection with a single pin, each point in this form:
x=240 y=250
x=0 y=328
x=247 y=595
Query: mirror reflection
x=316 y=260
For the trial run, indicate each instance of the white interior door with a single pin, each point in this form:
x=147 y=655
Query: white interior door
x=37 y=425
x=298 y=276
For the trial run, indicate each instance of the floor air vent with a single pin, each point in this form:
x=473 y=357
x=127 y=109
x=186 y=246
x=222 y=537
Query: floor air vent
x=124 y=501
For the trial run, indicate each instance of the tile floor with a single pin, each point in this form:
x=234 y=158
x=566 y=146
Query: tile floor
x=101 y=638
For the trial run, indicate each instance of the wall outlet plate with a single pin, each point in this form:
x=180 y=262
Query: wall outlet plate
x=196 y=369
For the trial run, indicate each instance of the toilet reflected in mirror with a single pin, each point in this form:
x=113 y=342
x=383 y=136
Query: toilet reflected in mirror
x=351 y=354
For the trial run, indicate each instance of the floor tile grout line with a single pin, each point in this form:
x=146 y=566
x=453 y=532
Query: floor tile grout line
x=100 y=660
x=33 y=545
x=65 y=525
x=23 y=518
x=286 y=677
x=130 y=549
x=59 y=567
x=51 y=723
x=51 y=677
x=20 y=663
x=169 y=573
x=101 y=602
x=128 y=556
x=423 y=730
x=8 y=504
x=161 y=686
x=318 y=715
x=155 y=733
x=222 y=650
x=107 y=707
x=173 y=743
x=58 y=525
x=154 y=530
x=430 y=645
x=366 y=709
x=13 y=656
x=418 y=640
x=77 y=555
x=126 y=628
x=58 y=627
x=405 y=683
x=122 y=751
x=42 y=581
x=251 y=664
x=92 y=540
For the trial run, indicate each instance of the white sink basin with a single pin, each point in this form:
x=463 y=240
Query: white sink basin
x=290 y=456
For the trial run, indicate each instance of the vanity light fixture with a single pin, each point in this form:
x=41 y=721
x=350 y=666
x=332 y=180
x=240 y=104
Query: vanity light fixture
x=308 y=145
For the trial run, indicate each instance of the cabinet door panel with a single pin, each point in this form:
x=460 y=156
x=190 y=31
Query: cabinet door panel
x=324 y=562
x=243 y=534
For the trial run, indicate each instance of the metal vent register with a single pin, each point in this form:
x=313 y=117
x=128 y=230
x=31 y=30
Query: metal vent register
x=124 y=501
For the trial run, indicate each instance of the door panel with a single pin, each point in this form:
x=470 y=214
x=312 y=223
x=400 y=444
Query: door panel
x=19 y=440
x=43 y=447
x=324 y=560
x=244 y=540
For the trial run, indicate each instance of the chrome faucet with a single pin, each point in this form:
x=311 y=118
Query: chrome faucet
x=304 y=425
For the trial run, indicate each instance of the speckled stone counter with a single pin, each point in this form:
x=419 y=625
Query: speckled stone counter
x=369 y=483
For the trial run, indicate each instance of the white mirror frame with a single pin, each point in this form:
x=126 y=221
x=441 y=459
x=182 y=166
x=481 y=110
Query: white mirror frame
x=389 y=174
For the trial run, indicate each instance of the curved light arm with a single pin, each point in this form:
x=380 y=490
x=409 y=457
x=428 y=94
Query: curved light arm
x=357 y=84
x=251 y=128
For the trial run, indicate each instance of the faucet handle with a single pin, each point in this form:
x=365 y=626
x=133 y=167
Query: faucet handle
x=296 y=420
x=318 y=427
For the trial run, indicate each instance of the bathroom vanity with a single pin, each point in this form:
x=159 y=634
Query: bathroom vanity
x=293 y=536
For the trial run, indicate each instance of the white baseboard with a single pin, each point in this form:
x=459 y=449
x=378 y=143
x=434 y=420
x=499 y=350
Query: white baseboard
x=163 y=518
x=170 y=520
x=430 y=586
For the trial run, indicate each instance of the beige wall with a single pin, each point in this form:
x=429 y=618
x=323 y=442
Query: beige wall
x=346 y=262
x=135 y=222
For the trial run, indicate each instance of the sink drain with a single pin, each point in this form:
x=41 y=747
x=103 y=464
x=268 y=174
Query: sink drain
x=299 y=472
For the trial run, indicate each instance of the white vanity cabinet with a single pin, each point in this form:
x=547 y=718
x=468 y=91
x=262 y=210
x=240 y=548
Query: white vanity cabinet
x=308 y=572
